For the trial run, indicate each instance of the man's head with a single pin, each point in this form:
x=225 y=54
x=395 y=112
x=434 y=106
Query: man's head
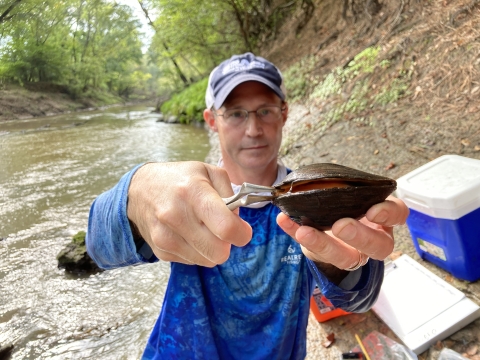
x=239 y=69
x=246 y=105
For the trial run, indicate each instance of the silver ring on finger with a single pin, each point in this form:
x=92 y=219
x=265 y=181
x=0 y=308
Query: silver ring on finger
x=362 y=260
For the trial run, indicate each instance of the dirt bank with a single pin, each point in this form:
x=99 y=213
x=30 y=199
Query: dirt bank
x=39 y=99
x=378 y=148
x=19 y=103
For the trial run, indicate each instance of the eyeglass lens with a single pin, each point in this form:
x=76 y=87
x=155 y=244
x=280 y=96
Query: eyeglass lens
x=268 y=114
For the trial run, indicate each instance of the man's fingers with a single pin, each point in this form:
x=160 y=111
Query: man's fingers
x=219 y=180
x=391 y=212
x=224 y=224
x=377 y=243
x=211 y=211
x=287 y=224
x=318 y=245
x=208 y=227
x=168 y=245
x=165 y=256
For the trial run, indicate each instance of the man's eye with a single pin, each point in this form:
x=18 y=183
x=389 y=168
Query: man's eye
x=236 y=115
x=264 y=112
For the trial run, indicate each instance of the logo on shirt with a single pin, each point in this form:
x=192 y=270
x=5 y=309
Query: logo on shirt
x=292 y=258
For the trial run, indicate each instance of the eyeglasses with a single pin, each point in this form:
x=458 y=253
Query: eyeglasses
x=267 y=114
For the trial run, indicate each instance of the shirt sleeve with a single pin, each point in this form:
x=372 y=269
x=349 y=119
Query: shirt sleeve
x=359 y=298
x=109 y=239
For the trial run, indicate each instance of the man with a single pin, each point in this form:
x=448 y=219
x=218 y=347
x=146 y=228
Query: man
x=240 y=284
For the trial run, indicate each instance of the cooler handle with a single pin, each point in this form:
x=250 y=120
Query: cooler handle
x=416 y=202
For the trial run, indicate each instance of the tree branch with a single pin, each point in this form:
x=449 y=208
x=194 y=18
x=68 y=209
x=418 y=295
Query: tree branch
x=4 y=17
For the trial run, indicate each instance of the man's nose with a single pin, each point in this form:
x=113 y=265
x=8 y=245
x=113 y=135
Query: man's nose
x=253 y=125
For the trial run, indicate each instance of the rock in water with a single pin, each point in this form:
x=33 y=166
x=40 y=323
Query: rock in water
x=74 y=257
x=6 y=352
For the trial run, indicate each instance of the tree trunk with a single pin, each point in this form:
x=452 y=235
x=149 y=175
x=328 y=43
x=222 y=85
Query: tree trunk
x=243 y=24
x=177 y=67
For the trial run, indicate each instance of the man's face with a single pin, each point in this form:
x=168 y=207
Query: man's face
x=254 y=144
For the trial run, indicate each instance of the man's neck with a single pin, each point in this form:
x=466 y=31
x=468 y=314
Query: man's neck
x=265 y=176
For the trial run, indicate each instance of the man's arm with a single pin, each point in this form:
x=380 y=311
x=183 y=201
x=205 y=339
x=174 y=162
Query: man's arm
x=110 y=242
x=358 y=298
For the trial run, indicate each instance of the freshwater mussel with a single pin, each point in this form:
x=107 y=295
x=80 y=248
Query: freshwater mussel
x=317 y=195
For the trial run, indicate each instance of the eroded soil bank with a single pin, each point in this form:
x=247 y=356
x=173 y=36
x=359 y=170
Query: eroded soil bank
x=37 y=100
x=413 y=96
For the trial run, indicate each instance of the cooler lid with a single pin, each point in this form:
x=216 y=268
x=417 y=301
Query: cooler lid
x=447 y=187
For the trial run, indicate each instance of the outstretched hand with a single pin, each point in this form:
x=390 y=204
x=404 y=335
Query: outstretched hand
x=178 y=210
x=372 y=235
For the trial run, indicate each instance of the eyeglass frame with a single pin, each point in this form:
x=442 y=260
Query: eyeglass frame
x=282 y=109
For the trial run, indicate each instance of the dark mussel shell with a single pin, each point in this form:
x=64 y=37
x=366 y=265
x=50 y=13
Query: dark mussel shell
x=317 y=195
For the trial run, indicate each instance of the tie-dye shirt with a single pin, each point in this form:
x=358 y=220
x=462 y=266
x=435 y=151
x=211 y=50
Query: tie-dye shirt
x=254 y=306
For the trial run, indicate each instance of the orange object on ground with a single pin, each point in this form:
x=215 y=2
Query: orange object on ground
x=323 y=309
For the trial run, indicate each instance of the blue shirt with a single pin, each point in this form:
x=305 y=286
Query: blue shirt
x=253 y=306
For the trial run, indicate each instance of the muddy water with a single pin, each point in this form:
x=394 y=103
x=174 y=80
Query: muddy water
x=50 y=171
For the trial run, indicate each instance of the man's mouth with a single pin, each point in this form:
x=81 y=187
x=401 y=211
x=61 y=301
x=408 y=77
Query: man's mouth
x=255 y=147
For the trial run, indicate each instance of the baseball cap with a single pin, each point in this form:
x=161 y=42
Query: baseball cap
x=239 y=69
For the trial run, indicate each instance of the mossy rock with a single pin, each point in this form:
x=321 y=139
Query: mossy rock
x=74 y=257
x=6 y=351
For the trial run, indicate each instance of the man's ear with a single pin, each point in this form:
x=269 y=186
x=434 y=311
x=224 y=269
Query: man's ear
x=285 y=112
x=209 y=118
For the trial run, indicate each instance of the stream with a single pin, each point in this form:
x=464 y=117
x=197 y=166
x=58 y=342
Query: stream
x=51 y=169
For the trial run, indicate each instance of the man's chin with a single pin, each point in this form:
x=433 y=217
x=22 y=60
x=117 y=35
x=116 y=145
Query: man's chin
x=256 y=162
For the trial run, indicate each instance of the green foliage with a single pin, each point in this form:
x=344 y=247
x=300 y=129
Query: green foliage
x=331 y=85
x=94 y=46
x=391 y=93
x=347 y=90
x=188 y=105
x=296 y=78
x=198 y=36
x=364 y=62
x=89 y=46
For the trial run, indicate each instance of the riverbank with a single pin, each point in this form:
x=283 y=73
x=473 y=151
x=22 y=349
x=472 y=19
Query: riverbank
x=384 y=148
x=18 y=102
x=383 y=89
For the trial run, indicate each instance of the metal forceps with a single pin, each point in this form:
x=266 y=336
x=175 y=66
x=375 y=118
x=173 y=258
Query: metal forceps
x=245 y=196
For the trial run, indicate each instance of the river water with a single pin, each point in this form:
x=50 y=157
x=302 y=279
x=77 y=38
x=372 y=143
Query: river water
x=51 y=169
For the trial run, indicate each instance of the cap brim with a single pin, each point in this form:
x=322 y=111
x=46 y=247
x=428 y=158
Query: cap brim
x=237 y=80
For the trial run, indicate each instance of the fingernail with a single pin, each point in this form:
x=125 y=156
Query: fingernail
x=287 y=223
x=348 y=232
x=308 y=238
x=381 y=217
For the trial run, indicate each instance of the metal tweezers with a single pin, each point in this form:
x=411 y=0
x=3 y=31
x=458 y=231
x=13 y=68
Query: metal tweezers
x=244 y=197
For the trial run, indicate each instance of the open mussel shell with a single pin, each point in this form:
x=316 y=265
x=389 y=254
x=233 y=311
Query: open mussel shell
x=317 y=195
